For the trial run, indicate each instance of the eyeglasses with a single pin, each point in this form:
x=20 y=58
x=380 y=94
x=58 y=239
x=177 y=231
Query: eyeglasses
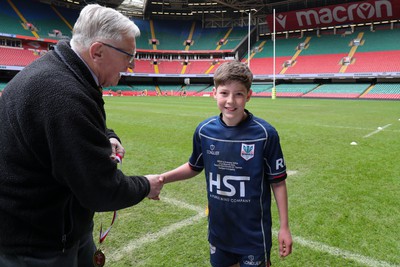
x=131 y=56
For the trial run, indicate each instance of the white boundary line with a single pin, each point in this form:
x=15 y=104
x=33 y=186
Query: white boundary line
x=339 y=126
x=321 y=247
x=353 y=128
x=317 y=246
x=153 y=237
x=377 y=131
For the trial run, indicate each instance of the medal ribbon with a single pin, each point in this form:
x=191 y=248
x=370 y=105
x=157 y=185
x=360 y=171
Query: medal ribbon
x=104 y=235
x=118 y=159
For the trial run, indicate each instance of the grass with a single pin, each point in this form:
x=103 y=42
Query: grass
x=344 y=199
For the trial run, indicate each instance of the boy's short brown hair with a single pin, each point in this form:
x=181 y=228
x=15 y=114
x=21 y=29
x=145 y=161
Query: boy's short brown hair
x=233 y=71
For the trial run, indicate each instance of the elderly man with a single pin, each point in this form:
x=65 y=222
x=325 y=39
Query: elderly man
x=56 y=153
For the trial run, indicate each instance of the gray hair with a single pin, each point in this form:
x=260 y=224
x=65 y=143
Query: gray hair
x=97 y=23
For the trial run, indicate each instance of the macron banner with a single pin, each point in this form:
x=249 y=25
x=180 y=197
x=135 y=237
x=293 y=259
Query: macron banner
x=340 y=14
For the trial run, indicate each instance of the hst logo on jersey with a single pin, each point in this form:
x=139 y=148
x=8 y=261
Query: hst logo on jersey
x=247 y=151
x=228 y=183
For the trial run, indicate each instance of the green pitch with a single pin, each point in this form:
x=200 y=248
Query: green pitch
x=343 y=199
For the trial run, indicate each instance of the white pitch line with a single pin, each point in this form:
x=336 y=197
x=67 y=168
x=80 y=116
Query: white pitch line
x=183 y=204
x=317 y=246
x=153 y=237
x=340 y=127
x=377 y=131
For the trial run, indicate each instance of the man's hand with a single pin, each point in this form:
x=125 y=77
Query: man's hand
x=118 y=151
x=156 y=184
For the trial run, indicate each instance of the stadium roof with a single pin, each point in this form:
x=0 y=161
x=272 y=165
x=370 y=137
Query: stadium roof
x=212 y=13
x=199 y=8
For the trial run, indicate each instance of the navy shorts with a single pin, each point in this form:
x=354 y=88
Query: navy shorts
x=222 y=258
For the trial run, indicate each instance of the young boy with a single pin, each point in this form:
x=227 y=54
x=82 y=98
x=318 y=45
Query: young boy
x=242 y=158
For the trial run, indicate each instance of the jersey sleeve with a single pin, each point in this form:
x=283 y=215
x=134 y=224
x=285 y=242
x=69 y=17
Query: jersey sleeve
x=196 y=159
x=275 y=169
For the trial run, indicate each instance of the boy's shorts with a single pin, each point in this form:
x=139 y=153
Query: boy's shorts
x=222 y=258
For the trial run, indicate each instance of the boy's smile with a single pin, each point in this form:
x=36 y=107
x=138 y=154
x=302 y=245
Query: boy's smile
x=231 y=101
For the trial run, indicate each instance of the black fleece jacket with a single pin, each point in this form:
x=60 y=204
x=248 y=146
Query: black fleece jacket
x=55 y=167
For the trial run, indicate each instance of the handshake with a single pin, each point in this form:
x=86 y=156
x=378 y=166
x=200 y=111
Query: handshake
x=156 y=184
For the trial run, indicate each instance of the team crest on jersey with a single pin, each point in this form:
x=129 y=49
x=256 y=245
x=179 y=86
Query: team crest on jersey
x=247 y=151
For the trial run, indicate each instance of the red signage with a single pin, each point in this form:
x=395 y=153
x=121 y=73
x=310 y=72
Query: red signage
x=340 y=14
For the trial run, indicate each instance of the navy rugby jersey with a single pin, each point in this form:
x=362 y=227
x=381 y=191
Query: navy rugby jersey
x=240 y=164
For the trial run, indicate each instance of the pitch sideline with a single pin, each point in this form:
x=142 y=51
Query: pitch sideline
x=152 y=237
x=377 y=131
x=317 y=246
x=321 y=247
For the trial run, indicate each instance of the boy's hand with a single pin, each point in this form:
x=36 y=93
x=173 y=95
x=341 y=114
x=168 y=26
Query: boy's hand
x=285 y=242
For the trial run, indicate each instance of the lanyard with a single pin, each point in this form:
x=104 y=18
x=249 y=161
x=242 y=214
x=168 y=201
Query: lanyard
x=118 y=159
x=99 y=258
x=104 y=235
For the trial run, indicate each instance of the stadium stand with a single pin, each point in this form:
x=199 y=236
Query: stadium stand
x=380 y=40
x=170 y=67
x=198 y=90
x=10 y=22
x=144 y=66
x=339 y=90
x=316 y=64
x=233 y=37
x=199 y=66
x=119 y=90
x=262 y=60
x=171 y=89
x=379 y=61
x=383 y=91
x=207 y=39
x=130 y=90
x=144 y=90
x=47 y=22
x=378 y=52
x=283 y=90
x=261 y=66
x=16 y=56
x=318 y=55
x=144 y=40
x=171 y=34
x=260 y=89
x=294 y=90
